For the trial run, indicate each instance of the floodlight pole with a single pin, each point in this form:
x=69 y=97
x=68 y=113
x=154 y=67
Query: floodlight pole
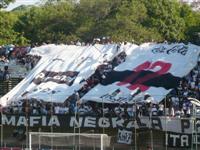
x=135 y=125
x=27 y=120
x=196 y=127
x=79 y=130
x=151 y=132
x=1 y=127
x=194 y=121
x=39 y=139
x=103 y=114
x=74 y=129
x=165 y=123
x=30 y=140
x=102 y=142
x=51 y=117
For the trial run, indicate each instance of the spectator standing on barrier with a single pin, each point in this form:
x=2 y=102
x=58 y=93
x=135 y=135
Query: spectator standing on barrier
x=1 y=109
x=6 y=74
x=160 y=109
x=154 y=110
x=184 y=108
x=1 y=74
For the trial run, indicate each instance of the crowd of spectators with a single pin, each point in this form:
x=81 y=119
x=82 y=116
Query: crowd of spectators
x=12 y=56
x=122 y=110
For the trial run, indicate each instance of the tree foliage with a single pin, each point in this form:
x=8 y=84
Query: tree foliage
x=7 y=33
x=4 y=3
x=60 y=21
x=50 y=23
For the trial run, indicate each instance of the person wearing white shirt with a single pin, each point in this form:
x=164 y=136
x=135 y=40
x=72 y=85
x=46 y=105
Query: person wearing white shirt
x=57 y=109
x=131 y=111
x=161 y=110
x=154 y=110
x=117 y=110
x=88 y=108
x=106 y=110
x=82 y=109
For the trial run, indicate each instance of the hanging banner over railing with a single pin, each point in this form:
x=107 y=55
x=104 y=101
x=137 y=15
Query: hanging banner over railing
x=176 y=125
x=178 y=140
x=124 y=136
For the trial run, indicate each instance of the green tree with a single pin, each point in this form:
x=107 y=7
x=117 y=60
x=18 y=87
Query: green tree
x=4 y=3
x=165 y=17
x=192 y=24
x=127 y=23
x=7 y=34
x=49 y=23
x=123 y=20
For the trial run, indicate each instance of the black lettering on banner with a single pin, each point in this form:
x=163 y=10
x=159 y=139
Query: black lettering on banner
x=59 y=77
x=185 y=124
x=88 y=121
x=180 y=49
x=178 y=140
x=159 y=50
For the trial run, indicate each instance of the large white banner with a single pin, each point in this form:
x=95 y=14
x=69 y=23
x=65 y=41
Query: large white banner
x=152 y=69
x=60 y=70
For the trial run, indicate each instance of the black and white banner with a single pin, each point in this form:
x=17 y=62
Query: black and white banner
x=175 y=125
x=124 y=136
x=152 y=69
x=178 y=140
x=60 y=71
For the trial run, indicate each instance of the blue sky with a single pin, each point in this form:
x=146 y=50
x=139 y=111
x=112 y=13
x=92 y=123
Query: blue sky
x=21 y=2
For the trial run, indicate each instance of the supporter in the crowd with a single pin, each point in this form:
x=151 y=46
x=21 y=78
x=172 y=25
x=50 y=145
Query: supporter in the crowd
x=154 y=110
x=57 y=109
x=161 y=109
x=105 y=111
x=185 y=108
x=1 y=109
x=1 y=74
x=96 y=41
x=131 y=111
x=78 y=43
x=122 y=110
x=6 y=74
x=82 y=109
x=43 y=109
x=65 y=109
x=103 y=40
x=144 y=110
x=117 y=110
